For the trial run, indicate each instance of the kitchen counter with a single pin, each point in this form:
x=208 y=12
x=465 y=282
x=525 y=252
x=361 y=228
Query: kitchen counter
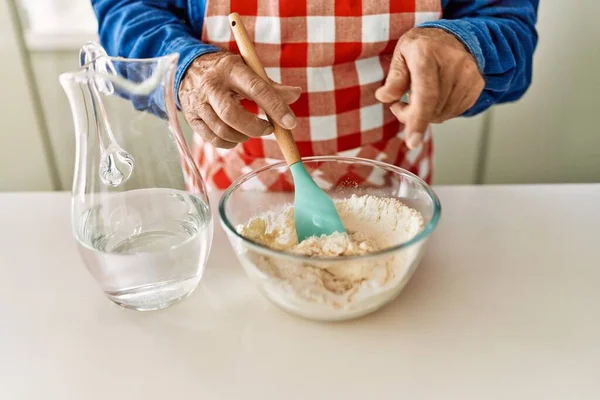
x=505 y=304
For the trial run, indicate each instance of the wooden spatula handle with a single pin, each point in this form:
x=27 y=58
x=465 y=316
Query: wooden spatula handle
x=284 y=136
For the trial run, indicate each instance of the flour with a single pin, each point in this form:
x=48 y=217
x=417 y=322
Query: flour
x=315 y=285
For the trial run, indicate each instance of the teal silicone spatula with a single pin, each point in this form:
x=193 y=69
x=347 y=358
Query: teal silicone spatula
x=314 y=212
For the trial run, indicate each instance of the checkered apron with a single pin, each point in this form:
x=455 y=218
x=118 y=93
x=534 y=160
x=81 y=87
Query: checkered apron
x=339 y=53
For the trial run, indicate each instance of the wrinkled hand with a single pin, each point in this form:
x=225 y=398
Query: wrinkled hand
x=210 y=94
x=442 y=76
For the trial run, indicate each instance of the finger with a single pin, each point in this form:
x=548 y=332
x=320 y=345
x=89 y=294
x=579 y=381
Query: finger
x=397 y=82
x=254 y=88
x=399 y=110
x=200 y=128
x=231 y=112
x=424 y=92
x=289 y=94
x=464 y=96
x=218 y=127
x=452 y=106
x=474 y=93
x=447 y=85
x=412 y=139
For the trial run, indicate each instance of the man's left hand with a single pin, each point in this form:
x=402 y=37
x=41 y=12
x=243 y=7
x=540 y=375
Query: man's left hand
x=441 y=74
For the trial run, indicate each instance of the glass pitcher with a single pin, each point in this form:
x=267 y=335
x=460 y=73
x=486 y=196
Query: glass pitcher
x=140 y=211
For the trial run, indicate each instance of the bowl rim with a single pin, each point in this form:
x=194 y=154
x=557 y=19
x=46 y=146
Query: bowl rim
x=423 y=234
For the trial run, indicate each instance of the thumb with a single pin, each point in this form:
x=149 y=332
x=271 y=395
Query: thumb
x=289 y=94
x=397 y=82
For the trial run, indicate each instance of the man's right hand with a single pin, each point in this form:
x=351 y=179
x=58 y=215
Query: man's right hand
x=210 y=94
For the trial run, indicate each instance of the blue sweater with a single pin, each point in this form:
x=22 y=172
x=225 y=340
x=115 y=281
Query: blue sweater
x=500 y=34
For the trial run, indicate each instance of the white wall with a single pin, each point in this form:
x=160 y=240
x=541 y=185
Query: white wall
x=552 y=134
x=24 y=164
x=457 y=150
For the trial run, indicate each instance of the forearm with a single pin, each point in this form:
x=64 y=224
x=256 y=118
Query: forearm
x=137 y=29
x=501 y=36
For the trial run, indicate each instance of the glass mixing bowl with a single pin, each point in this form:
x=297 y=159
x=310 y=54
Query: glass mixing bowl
x=270 y=189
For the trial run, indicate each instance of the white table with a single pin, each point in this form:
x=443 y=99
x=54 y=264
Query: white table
x=505 y=305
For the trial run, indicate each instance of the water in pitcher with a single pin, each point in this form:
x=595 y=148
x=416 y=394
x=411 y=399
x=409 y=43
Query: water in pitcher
x=147 y=248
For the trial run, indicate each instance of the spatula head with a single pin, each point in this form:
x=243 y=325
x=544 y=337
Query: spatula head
x=314 y=211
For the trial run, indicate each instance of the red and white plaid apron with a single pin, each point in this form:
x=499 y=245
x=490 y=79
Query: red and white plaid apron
x=339 y=53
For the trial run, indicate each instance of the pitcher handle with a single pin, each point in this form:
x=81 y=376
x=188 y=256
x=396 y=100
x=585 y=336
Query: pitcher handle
x=94 y=55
